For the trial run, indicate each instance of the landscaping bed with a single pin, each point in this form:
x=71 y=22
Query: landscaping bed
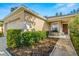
x=41 y=48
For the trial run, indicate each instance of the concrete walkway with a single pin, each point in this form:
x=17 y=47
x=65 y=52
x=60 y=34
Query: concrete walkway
x=3 y=51
x=64 y=47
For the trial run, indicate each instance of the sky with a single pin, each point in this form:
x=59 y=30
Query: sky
x=44 y=9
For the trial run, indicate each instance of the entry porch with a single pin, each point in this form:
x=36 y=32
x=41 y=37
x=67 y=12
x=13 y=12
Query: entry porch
x=58 y=29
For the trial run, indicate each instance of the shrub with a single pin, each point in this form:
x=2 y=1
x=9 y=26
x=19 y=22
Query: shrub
x=17 y=38
x=42 y=34
x=35 y=36
x=47 y=33
x=29 y=38
x=74 y=33
x=1 y=34
x=13 y=38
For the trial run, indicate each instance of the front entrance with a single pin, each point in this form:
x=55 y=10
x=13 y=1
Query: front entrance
x=65 y=28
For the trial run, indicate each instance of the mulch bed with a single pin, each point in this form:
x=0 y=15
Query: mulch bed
x=42 y=48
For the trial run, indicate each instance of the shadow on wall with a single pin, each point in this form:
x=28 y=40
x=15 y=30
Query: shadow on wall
x=46 y=26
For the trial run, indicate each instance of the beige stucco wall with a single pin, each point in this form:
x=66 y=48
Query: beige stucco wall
x=14 y=16
x=39 y=24
x=18 y=24
x=1 y=29
x=14 y=21
x=19 y=19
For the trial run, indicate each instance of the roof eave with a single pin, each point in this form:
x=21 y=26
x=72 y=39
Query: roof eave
x=54 y=19
x=27 y=9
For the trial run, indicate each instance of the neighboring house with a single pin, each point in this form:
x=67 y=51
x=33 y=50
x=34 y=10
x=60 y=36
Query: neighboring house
x=28 y=20
x=1 y=26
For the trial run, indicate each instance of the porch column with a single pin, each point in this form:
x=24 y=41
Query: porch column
x=68 y=31
x=60 y=29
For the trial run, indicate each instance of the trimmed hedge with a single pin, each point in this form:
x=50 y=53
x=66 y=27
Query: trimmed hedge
x=29 y=38
x=17 y=38
x=13 y=38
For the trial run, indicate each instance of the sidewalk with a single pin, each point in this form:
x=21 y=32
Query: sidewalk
x=3 y=51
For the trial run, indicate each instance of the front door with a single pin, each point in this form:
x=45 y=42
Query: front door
x=65 y=28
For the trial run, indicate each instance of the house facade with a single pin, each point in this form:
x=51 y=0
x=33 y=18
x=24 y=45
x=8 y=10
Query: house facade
x=59 y=25
x=28 y=20
x=25 y=19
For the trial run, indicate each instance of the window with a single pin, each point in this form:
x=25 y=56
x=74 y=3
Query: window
x=54 y=27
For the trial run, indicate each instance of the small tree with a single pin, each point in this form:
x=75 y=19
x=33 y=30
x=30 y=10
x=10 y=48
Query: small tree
x=61 y=14
x=71 y=12
x=57 y=14
x=78 y=10
x=74 y=11
x=13 y=8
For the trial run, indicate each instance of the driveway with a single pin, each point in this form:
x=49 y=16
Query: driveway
x=3 y=51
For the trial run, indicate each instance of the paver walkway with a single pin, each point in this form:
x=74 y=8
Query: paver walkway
x=3 y=46
x=64 y=47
